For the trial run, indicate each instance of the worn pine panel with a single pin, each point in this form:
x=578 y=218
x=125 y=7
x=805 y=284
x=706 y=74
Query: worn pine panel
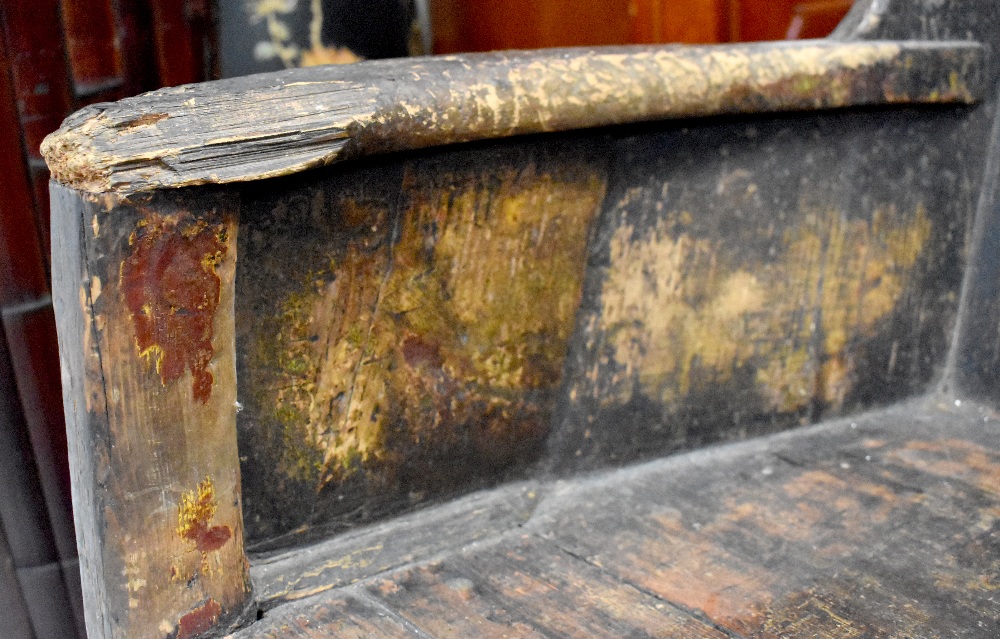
x=525 y=587
x=403 y=328
x=302 y=572
x=867 y=529
x=349 y=616
x=384 y=362
x=710 y=282
x=754 y=276
x=399 y=365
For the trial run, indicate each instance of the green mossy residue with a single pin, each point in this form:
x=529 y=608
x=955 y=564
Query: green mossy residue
x=447 y=342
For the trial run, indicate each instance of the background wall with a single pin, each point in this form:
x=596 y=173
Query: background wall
x=56 y=57
x=484 y=25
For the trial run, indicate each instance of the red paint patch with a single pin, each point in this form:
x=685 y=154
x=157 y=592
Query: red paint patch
x=172 y=291
x=199 y=620
x=209 y=539
x=416 y=351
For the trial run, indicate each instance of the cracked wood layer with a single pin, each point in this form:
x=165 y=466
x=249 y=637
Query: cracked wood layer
x=884 y=525
x=281 y=123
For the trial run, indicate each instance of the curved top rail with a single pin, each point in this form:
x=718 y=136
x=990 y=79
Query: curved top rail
x=279 y=123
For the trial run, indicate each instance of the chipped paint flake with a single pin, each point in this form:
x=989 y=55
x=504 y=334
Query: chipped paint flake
x=194 y=519
x=199 y=620
x=380 y=365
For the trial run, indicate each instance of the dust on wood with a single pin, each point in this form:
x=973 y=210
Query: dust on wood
x=282 y=123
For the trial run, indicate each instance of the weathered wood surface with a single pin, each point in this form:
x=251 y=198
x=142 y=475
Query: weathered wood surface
x=276 y=124
x=881 y=526
x=83 y=399
x=146 y=346
x=305 y=571
x=755 y=276
x=413 y=328
x=403 y=327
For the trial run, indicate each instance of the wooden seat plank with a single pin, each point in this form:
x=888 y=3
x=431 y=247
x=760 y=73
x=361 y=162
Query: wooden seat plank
x=526 y=587
x=883 y=525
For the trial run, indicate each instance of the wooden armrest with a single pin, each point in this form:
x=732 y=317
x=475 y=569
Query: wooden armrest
x=275 y=124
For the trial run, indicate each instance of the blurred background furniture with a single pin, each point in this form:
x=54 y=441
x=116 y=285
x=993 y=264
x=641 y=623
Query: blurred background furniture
x=484 y=25
x=55 y=57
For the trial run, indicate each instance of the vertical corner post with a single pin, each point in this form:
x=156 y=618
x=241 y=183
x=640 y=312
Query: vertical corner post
x=144 y=297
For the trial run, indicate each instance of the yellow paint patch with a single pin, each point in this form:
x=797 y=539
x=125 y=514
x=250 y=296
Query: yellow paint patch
x=680 y=316
x=196 y=509
x=438 y=346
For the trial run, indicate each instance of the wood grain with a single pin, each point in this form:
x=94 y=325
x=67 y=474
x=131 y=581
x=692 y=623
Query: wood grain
x=524 y=587
x=403 y=327
x=883 y=525
x=152 y=421
x=285 y=122
x=784 y=540
x=305 y=571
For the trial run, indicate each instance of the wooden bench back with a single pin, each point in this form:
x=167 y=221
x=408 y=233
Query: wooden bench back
x=255 y=354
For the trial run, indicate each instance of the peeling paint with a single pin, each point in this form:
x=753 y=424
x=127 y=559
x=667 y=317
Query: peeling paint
x=199 y=620
x=194 y=519
x=172 y=289
x=387 y=360
x=679 y=316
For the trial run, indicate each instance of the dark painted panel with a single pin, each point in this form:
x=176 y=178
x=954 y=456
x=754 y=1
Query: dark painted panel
x=753 y=276
x=743 y=277
x=259 y=36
